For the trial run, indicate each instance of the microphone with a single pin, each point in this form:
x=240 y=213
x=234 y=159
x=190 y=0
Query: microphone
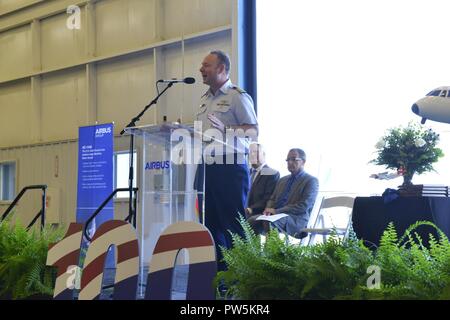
x=188 y=80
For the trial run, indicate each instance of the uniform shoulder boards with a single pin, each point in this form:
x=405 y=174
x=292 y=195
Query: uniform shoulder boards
x=241 y=91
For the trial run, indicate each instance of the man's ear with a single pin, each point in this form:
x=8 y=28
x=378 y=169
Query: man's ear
x=222 y=68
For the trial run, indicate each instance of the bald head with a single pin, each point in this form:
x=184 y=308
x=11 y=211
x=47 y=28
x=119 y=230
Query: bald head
x=257 y=155
x=215 y=69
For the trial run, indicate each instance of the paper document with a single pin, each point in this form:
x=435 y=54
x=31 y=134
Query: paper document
x=272 y=218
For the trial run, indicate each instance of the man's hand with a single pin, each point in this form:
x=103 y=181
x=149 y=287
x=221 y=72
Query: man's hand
x=269 y=211
x=216 y=123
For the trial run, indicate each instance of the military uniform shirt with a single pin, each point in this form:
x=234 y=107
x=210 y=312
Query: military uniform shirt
x=231 y=105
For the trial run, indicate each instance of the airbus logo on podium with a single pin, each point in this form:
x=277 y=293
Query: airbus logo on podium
x=157 y=165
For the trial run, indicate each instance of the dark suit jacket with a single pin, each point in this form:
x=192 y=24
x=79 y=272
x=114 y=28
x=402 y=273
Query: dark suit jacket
x=261 y=189
x=300 y=202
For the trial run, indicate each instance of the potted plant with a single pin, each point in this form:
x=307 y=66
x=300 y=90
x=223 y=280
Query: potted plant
x=409 y=150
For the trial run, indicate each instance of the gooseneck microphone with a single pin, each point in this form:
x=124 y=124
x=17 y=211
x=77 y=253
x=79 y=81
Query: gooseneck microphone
x=188 y=80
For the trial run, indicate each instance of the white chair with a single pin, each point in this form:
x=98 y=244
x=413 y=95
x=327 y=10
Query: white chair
x=323 y=224
x=318 y=225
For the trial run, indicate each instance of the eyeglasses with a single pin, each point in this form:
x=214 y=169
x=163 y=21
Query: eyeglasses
x=293 y=159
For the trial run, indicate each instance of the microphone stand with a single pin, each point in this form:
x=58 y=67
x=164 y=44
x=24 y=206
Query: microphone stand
x=131 y=205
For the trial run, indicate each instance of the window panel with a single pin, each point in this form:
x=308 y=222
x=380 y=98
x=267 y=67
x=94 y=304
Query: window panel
x=7 y=181
x=353 y=46
x=121 y=172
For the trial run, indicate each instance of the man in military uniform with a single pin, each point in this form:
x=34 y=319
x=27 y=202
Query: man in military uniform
x=225 y=107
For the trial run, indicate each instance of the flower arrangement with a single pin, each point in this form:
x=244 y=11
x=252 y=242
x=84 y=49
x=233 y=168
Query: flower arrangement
x=409 y=150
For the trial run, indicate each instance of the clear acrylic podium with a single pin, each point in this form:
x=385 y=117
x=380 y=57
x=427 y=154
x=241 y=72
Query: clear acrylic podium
x=170 y=158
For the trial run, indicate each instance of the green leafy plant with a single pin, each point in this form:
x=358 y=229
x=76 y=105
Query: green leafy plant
x=23 y=254
x=409 y=150
x=337 y=269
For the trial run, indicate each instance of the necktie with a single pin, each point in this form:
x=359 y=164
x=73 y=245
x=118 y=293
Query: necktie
x=285 y=195
x=252 y=175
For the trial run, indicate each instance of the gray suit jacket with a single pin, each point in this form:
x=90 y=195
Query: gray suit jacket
x=262 y=188
x=299 y=204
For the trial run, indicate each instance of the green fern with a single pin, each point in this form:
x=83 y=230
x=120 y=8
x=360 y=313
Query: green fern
x=337 y=269
x=23 y=255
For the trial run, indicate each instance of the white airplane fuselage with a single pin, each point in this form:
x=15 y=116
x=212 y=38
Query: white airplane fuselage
x=434 y=106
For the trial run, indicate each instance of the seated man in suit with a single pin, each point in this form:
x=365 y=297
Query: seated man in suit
x=263 y=180
x=294 y=195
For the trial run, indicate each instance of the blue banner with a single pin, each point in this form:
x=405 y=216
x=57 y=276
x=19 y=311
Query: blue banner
x=95 y=172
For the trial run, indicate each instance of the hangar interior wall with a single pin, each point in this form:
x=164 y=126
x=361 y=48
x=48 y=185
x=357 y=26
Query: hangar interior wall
x=56 y=77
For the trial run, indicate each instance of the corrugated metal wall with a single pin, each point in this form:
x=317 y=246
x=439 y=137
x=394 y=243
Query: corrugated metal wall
x=54 y=79
x=54 y=165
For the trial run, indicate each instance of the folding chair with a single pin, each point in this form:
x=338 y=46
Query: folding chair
x=318 y=220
